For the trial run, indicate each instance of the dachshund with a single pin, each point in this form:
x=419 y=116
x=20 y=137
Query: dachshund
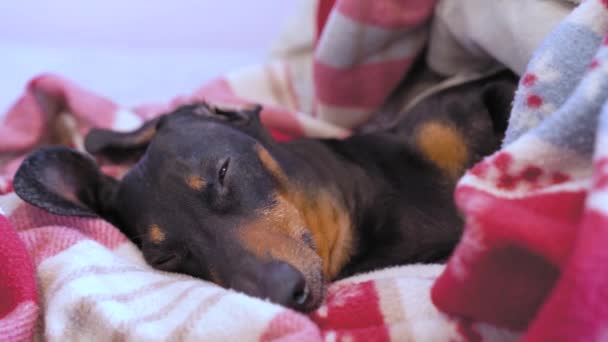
x=214 y=196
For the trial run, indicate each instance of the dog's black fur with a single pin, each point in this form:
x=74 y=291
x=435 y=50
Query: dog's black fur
x=214 y=196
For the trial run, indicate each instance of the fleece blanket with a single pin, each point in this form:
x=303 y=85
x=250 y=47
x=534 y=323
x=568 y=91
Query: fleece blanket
x=529 y=263
x=533 y=252
x=81 y=279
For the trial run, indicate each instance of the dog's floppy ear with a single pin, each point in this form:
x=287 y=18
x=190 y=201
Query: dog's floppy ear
x=64 y=182
x=246 y=118
x=238 y=116
x=118 y=147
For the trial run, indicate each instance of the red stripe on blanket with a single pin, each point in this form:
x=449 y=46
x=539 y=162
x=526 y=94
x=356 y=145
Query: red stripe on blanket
x=87 y=105
x=388 y=13
x=352 y=312
x=323 y=10
x=466 y=329
x=46 y=242
x=545 y=223
x=365 y=85
x=19 y=324
x=576 y=309
x=289 y=326
x=217 y=90
x=23 y=125
x=503 y=286
x=46 y=96
x=282 y=123
x=7 y=173
x=509 y=257
x=17 y=282
x=26 y=217
x=6 y=186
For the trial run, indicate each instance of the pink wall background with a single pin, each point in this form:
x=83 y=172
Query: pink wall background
x=134 y=50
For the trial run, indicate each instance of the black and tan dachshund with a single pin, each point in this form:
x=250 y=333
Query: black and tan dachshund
x=212 y=195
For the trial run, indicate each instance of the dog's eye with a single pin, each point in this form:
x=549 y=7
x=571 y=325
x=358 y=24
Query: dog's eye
x=222 y=173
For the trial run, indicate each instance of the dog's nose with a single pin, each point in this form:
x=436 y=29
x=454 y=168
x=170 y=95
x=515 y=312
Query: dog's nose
x=285 y=285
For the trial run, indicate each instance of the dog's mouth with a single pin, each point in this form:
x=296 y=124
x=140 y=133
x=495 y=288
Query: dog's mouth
x=311 y=296
x=301 y=297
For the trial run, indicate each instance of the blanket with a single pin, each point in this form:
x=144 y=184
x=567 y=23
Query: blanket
x=533 y=253
x=528 y=262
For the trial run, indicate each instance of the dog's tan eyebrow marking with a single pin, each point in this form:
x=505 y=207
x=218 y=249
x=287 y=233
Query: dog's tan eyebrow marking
x=444 y=145
x=156 y=234
x=270 y=164
x=195 y=182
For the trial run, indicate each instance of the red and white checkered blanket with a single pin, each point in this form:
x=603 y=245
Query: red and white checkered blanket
x=531 y=259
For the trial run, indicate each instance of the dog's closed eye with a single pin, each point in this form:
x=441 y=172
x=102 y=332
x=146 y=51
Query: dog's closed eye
x=223 y=170
x=166 y=262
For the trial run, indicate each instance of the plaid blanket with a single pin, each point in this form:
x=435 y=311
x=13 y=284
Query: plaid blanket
x=529 y=260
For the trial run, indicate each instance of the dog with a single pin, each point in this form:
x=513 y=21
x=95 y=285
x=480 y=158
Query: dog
x=214 y=196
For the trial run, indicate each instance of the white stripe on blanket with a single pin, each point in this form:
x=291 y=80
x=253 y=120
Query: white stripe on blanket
x=91 y=294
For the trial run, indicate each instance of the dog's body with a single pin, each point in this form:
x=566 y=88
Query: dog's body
x=213 y=196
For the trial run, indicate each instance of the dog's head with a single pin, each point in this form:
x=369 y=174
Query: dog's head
x=205 y=198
